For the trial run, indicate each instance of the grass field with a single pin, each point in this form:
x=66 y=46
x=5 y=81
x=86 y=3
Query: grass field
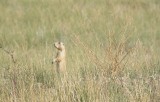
x=112 y=50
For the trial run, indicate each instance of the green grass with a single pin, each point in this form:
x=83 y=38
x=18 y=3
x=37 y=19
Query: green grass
x=112 y=50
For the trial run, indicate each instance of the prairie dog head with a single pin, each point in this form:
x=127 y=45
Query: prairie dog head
x=59 y=45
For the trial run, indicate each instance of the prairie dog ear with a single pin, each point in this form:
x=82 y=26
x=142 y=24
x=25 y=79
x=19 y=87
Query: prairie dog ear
x=62 y=45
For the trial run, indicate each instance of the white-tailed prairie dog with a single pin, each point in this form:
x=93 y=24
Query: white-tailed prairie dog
x=60 y=59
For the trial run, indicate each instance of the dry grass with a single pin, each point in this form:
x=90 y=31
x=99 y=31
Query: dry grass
x=112 y=50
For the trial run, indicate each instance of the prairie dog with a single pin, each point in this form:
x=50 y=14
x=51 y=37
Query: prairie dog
x=60 y=57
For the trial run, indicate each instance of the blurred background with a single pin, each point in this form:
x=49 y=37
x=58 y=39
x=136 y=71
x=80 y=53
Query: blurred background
x=103 y=39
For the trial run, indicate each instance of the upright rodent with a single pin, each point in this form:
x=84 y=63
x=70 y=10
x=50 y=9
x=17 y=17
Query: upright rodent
x=60 y=59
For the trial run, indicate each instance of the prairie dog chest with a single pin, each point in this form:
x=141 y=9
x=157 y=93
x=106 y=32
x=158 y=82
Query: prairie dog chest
x=61 y=54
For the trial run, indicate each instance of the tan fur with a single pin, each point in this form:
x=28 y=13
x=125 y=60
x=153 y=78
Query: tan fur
x=60 y=57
